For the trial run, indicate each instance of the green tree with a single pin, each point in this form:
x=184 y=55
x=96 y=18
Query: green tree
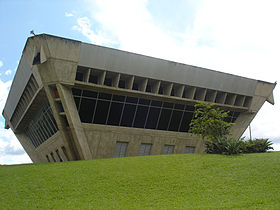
x=209 y=123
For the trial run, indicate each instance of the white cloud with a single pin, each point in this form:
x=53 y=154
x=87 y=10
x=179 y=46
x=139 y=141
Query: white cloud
x=238 y=37
x=69 y=14
x=84 y=26
x=11 y=151
x=1 y=64
x=8 y=72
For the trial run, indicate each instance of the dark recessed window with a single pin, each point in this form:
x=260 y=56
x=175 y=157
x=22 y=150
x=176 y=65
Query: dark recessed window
x=168 y=149
x=108 y=82
x=167 y=105
x=189 y=149
x=77 y=102
x=91 y=94
x=156 y=103
x=76 y=92
x=140 y=117
x=189 y=108
x=135 y=86
x=80 y=76
x=101 y=112
x=152 y=118
x=148 y=88
x=93 y=79
x=120 y=149
x=118 y=98
x=115 y=113
x=160 y=91
x=175 y=120
x=132 y=100
x=145 y=149
x=179 y=106
x=128 y=115
x=37 y=59
x=105 y=96
x=87 y=109
x=144 y=101
x=122 y=83
x=164 y=119
x=187 y=118
x=172 y=92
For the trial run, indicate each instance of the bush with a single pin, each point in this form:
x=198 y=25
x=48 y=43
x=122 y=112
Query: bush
x=224 y=145
x=256 y=146
x=209 y=123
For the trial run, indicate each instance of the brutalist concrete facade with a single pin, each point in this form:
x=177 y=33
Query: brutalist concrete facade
x=75 y=101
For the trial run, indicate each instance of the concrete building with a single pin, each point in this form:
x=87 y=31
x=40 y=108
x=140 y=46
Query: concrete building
x=71 y=100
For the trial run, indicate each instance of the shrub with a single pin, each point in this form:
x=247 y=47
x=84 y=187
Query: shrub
x=209 y=122
x=256 y=146
x=222 y=145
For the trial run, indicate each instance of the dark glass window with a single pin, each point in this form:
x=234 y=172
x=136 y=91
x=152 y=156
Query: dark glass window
x=101 y=112
x=172 y=92
x=189 y=149
x=156 y=103
x=131 y=100
x=160 y=91
x=118 y=98
x=120 y=149
x=86 y=110
x=93 y=79
x=179 y=106
x=91 y=94
x=175 y=120
x=189 y=108
x=168 y=149
x=152 y=118
x=76 y=92
x=140 y=117
x=144 y=101
x=122 y=83
x=148 y=88
x=77 y=102
x=135 y=86
x=105 y=96
x=108 y=82
x=187 y=118
x=167 y=105
x=145 y=149
x=128 y=115
x=115 y=113
x=42 y=126
x=164 y=119
x=79 y=76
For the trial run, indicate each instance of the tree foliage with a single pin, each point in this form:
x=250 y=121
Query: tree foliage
x=209 y=123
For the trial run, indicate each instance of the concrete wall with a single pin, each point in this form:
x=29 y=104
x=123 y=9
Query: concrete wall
x=102 y=140
x=56 y=73
x=144 y=66
x=51 y=146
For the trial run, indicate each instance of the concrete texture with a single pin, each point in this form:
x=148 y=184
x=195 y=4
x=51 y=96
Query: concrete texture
x=55 y=73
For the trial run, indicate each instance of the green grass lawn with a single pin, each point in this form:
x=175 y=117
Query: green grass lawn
x=153 y=182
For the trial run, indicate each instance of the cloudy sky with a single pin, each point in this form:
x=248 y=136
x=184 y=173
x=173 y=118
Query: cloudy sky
x=234 y=36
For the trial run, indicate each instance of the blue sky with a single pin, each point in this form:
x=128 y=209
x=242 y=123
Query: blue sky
x=234 y=36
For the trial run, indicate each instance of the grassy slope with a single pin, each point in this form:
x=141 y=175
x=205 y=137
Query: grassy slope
x=174 y=181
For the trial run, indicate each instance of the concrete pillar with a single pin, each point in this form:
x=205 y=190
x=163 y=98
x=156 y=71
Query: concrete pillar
x=76 y=128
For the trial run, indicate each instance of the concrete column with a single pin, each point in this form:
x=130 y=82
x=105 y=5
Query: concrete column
x=74 y=121
x=129 y=82
x=67 y=140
